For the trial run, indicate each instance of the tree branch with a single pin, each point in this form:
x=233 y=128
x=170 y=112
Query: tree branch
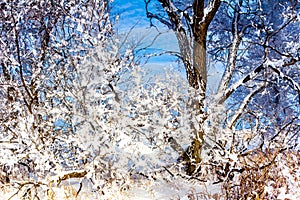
x=243 y=105
x=210 y=11
x=79 y=174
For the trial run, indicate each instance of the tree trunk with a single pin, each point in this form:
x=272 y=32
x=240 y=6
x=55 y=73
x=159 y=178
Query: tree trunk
x=194 y=59
x=198 y=81
x=196 y=71
x=197 y=77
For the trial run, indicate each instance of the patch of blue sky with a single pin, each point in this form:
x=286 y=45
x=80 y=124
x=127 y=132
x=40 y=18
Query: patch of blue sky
x=133 y=16
x=61 y=124
x=132 y=13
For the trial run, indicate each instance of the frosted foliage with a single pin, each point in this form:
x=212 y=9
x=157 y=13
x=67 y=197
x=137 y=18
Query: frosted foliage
x=81 y=119
x=128 y=122
x=122 y=118
x=40 y=49
x=116 y=119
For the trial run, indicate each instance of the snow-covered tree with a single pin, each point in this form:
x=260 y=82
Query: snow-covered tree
x=42 y=43
x=256 y=106
x=80 y=118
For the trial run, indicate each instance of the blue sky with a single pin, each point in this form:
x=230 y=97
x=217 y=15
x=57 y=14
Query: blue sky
x=132 y=14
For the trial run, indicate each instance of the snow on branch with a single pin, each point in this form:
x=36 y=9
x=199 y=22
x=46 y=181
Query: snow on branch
x=174 y=15
x=254 y=74
x=241 y=82
x=243 y=105
x=285 y=77
x=210 y=10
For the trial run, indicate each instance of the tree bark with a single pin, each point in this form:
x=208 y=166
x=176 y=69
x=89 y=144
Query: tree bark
x=197 y=77
x=193 y=54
